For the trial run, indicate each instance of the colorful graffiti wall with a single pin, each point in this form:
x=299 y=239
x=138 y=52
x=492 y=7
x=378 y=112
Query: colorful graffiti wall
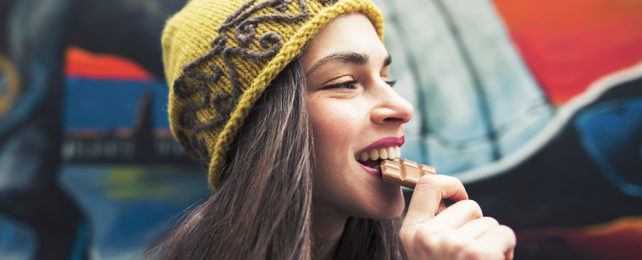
x=536 y=105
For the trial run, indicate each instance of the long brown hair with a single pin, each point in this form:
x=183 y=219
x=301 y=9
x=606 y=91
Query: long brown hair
x=263 y=209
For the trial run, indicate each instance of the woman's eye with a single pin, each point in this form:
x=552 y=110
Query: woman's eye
x=345 y=85
x=391 y=83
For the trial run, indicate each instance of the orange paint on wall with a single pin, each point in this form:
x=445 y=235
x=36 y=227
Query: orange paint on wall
x=80 y=63
x=619 y=239
x=569 y=44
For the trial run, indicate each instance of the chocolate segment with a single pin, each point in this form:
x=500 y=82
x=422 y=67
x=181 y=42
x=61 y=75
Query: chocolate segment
x=404 y=172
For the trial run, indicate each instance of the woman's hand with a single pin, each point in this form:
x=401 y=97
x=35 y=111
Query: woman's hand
x=432 y=231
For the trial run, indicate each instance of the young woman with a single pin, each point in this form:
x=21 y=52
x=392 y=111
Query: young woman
x=290 y=106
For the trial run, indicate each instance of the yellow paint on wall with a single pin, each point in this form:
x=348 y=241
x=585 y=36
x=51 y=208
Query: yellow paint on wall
x=11 y=77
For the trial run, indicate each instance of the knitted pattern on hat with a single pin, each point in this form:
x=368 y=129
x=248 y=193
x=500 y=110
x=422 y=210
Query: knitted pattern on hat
x=220 y=55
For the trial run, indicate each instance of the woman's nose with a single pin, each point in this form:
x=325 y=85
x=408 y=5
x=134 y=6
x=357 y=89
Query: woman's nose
x=391 y=108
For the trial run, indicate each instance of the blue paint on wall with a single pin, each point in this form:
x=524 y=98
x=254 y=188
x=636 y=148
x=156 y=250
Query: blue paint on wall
x=103 y=105
x=611 y=133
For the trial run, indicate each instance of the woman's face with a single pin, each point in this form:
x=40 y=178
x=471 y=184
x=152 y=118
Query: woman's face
x=356 y=117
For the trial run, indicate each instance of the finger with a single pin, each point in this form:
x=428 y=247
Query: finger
x=477 y=227
x=501 y=237
x=458 y=214
x=510 y=254
x=429 y=193
x=441 y=208
x=477 y=250
x=464 y=237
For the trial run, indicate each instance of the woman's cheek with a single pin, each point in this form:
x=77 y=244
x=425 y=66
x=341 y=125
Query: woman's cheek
x=333 y=120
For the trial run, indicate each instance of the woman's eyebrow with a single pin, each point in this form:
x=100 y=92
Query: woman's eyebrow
x=351 y=57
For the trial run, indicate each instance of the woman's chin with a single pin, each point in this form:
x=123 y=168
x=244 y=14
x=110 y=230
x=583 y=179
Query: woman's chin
x=389 y=208
x=388 y=214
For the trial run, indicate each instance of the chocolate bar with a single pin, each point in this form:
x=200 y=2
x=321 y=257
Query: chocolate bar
x=404 y=172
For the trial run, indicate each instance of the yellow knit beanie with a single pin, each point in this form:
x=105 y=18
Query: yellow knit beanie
x=220 y=55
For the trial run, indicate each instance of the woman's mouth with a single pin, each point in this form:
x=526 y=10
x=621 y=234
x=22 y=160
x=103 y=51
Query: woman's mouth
x=370 y=160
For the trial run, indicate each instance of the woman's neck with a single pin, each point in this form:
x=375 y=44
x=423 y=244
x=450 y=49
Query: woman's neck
x=328 y=228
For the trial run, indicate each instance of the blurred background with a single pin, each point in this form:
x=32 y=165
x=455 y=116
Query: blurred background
x=536 y=105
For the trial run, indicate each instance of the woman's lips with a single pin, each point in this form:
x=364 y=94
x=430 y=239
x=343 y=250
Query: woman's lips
x=372 y=171
x=383 y=142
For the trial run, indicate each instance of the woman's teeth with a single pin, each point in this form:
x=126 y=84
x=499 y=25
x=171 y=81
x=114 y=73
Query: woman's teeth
x=391 y=152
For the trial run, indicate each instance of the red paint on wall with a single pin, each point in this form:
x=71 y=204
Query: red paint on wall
x=80 y=63
x=619 y=239
x=571 y=43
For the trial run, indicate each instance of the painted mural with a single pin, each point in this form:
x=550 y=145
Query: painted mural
x=536 y=105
